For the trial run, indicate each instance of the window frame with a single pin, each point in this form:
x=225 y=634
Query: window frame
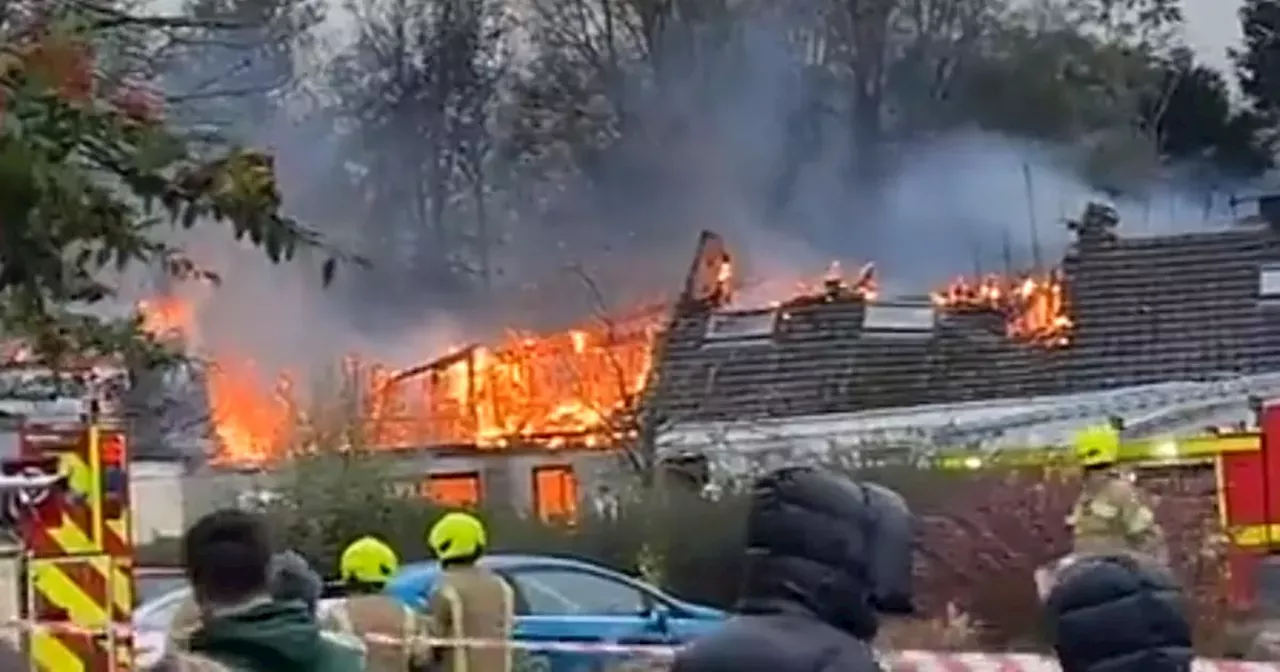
x=898 y=318
x=1265 y=271
x=160 y=611
x=471 y=476
x=648 y=598
x=716 y=321
x=564 y=471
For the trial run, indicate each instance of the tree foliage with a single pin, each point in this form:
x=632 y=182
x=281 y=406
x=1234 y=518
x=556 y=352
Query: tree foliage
x=92 y=178
x=1194 y=121
x=1258 y=59
x=459 y=126
x=413 y=98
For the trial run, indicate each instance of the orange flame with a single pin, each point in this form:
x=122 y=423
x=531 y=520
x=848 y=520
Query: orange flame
x=1035 y=308
x=572 y=386
x=167 y=316
x=576 y=386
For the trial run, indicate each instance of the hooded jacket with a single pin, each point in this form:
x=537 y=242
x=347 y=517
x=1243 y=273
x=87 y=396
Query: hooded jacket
x=292 y=579
x=824 y=555
x=1119 y=614
x=272 y=636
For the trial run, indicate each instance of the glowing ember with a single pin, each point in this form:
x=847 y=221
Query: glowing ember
x=1034 y=307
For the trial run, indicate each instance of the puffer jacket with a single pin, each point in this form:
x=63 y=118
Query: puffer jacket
x=1119 y=614
x=824 y=555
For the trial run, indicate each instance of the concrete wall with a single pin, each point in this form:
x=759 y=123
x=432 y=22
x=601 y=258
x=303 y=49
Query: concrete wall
x=166 y=498
x=157 y=492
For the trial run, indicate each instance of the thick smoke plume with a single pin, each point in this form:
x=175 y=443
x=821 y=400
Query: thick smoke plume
x=962 y=203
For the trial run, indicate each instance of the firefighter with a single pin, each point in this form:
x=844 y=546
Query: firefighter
x=1111 y=516
x=388 y=628
x=468 y=601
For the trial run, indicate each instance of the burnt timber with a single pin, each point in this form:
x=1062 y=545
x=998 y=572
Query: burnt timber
x=1146 y=310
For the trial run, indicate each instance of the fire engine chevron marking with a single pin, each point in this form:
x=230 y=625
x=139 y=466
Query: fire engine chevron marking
x=117 y=541
x=121 y=592
x=53 y=652
x=78 y=586
x=76 y=466
x=72 y=538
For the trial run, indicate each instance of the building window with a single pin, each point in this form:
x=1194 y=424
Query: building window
x=555 y=492
x=906 y=320
x=1269 y=282
x=735 y=326
x=459 y=489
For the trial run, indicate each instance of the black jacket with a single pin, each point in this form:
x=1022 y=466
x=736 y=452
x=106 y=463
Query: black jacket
x=824 y=554
x=1115 y=614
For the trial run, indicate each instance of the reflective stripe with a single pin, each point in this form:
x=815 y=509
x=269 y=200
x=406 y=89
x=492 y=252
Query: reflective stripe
x=454 y=600
x=342 y=618
x=1141 y=521
x=1103 y=509
x=508 y=613
x=1256 y=535
x=410 y=633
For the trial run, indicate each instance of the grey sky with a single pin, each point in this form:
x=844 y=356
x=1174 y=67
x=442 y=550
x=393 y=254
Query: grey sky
x=1212 y=26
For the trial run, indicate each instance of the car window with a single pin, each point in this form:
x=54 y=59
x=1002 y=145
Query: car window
x=149 y=587
x=158 y=614
x=567 y=592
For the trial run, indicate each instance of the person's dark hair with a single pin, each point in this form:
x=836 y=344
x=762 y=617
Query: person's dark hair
x=227 y=554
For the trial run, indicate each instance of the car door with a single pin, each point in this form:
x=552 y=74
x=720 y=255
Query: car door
x=578 y=606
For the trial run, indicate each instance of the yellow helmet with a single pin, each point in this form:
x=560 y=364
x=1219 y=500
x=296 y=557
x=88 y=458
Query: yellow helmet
x=457 y=535
x=368 y=560
x=1097 y=446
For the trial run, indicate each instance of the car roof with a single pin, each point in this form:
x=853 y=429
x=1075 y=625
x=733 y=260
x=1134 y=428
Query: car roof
x=501 y=561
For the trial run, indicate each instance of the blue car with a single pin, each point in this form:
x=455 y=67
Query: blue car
x=565 y=600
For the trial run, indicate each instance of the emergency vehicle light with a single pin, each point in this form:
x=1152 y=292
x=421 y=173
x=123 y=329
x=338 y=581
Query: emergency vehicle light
x=112 y=447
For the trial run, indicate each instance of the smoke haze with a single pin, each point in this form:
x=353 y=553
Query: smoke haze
x=709 y=159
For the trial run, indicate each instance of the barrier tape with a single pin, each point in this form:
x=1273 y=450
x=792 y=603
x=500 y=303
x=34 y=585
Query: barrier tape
x=898 y=661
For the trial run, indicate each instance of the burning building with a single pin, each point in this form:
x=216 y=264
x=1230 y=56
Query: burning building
x=1117 y=312
x=1169 y=317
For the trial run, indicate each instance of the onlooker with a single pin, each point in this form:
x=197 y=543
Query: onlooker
x=1119 y=613
x=291 y=578
x=824 y=556
x=228 y=555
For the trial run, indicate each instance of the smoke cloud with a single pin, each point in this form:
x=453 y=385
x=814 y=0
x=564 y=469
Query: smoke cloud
x=709 y=156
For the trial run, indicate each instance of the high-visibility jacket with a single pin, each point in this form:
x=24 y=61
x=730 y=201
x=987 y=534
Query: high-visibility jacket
x=391 y=631
x=1111 y=517
x=472 y=603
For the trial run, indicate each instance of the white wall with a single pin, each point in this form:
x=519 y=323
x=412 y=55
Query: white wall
x=155 y=490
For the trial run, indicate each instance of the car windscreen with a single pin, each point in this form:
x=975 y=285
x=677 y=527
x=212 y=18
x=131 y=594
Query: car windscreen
x=157 y=614
x=148 y=587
